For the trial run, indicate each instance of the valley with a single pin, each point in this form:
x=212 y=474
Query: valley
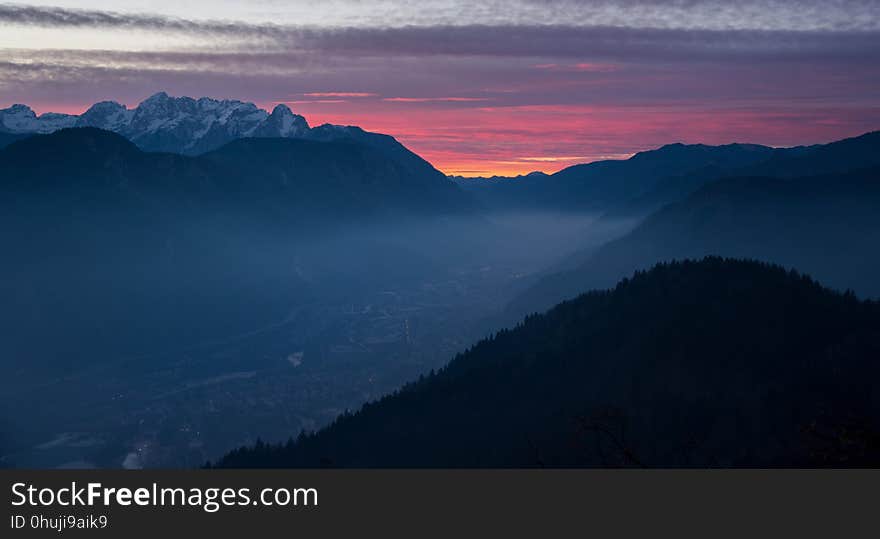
x=180 y=408
x=183 y=403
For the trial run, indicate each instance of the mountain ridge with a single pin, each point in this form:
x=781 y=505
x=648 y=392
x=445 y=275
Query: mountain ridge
x=600 y=185
x=185 y=125
x=652 y=178
x=825 y=225
x=354 y=172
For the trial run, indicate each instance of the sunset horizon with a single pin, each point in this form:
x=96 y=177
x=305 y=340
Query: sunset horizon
x=449 y=162
x=475 y=90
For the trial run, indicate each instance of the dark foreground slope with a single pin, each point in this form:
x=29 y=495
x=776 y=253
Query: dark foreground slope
x=711 y=363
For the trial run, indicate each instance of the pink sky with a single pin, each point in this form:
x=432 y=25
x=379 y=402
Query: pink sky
x=517 y=140
x=503 y=97
x=480 y=139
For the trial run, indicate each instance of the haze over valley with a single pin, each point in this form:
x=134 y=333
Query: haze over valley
x=182 y=306
x=460 y=234
x=177 y=306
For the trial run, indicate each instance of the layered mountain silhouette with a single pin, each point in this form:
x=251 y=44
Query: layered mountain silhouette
x=185 y=219
x=839 y=156
x=292 y=179
x=165 y=247
x=651 y=179
x=600 y=185
x=835 y=157
x=826 y=225
x=711 y=363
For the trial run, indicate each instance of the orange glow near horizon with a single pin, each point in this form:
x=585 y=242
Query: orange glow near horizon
x=476 y=90
x=476 y=139
x=480 y=140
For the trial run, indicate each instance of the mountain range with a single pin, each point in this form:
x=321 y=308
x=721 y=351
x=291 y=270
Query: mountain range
x=721 y=362
x=600 y=185
x=187 y=219
x=176 y=245
x=162 y=123
x=827 y=225
x=297 y=177
x=647 y=181
x=632 y=187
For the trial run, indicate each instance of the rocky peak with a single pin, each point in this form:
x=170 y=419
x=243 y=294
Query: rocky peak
x=21 y=119
x=179 y=124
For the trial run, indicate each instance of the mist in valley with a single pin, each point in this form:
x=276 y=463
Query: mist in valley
x=168 y=343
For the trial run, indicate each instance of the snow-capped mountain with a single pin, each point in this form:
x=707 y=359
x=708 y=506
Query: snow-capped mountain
x=21 y=119
x=108 y=115
x=169 y=124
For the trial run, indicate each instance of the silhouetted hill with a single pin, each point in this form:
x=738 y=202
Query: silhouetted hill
x=601 y=185
x=341 y=175
x=710 y=363
x=409 y=161
x=833 y=158
x=649 y=180
x=69 y=159
x=287 y=178
x=825 y=225
x=840 y=156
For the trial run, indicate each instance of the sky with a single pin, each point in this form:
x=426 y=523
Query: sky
x=477 y=88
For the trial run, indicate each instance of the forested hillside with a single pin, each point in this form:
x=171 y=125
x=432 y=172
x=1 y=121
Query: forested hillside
x=712 y=363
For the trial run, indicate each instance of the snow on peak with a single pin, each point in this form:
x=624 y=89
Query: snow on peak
x=176 y=124
x=108 y=115
x=158 y=97
x=21 y=119
x=286 y=122
x=19 y=109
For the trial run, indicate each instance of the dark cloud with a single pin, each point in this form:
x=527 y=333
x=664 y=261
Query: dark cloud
x=130 y=76
x=67 y=18
x=690 y=14
x=559 y=41
x=613 y=43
